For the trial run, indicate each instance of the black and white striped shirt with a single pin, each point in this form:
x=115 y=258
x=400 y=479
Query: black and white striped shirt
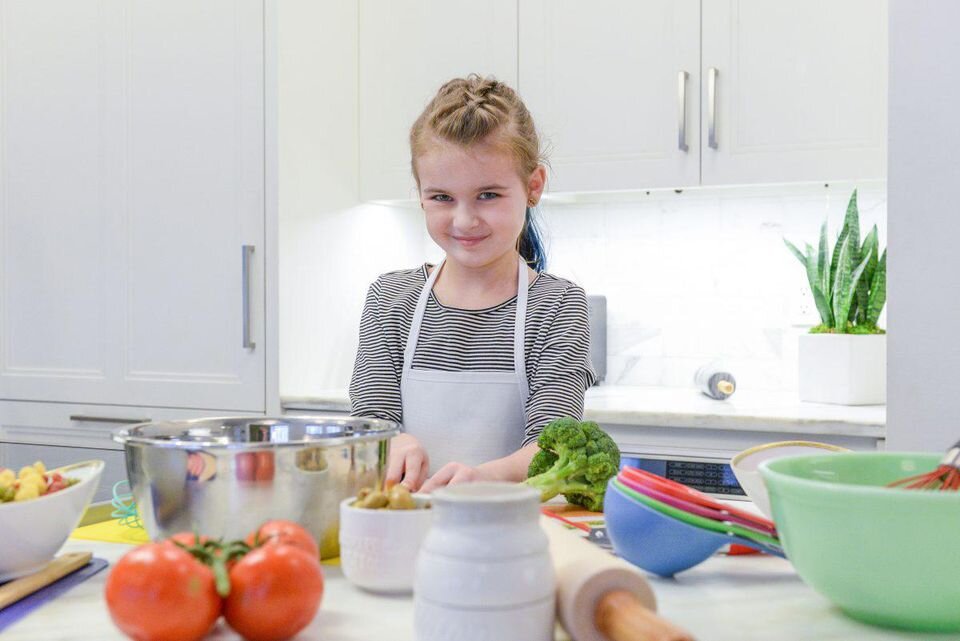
x=556 y=345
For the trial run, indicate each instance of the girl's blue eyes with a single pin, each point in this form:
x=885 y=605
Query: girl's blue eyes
x=444 y=198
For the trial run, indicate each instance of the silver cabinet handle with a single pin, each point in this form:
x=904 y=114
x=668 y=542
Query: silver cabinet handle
x=247 y=263
x=682 y=100
x=81 y=418
x=712 y=108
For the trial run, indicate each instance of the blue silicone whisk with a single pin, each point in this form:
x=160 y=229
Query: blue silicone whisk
x=125 y=506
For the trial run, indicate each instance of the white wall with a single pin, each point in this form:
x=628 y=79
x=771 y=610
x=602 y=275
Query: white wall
x=924 y=192
x=331 y=247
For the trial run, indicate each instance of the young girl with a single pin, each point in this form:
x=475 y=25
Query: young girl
x=476 y=354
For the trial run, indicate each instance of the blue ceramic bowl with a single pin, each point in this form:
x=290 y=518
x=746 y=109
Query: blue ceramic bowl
x=653 y=541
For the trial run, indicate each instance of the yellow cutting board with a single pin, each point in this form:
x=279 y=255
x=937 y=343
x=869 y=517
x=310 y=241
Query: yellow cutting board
x=112 y=532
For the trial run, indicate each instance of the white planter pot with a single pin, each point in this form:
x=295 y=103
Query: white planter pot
x=844 y=369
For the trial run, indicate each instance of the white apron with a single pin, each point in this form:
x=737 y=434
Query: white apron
x=468 y=417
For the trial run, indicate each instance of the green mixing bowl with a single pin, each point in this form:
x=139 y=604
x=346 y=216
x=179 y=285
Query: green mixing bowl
x=886 y=556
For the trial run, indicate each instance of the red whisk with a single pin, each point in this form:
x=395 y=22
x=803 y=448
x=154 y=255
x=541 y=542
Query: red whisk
x=945 y=477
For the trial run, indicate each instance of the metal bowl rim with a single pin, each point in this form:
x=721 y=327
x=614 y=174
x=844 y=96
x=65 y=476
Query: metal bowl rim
x=387 y=429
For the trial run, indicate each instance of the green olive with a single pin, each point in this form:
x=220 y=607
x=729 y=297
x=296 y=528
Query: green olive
x=401 y=499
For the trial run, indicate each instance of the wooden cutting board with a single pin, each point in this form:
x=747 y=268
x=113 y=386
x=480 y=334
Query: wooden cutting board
x=57 y=569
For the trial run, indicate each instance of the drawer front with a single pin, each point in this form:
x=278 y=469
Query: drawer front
x=75 y=425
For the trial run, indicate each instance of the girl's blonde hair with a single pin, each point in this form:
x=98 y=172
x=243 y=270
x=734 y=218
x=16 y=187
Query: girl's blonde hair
x=466 y=111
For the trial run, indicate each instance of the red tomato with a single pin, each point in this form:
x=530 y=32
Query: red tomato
x=188 y=538
x=158 y=592
x=265 y=466
x=275 y=592
x=281 y=532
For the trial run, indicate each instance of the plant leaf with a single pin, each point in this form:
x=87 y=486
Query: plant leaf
x=822 y=262
x=826 y=315
x=796 y=252
x=813 y=277
x=869 y=251
x=841 y=287
x=851 y=222
x=878 y=291
x=855 y=279
x=835 y=260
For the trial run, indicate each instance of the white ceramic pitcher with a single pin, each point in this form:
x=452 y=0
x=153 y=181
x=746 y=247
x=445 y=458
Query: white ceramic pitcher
x=484 y=571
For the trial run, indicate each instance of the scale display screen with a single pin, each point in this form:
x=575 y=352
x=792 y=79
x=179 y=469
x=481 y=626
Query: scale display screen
x=706 y=476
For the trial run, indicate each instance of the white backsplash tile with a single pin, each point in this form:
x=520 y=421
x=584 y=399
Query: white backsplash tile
x=702 y=275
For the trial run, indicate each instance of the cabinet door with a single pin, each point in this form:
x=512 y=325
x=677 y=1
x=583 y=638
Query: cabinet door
x=131 y=139
x=407 y=51
x=800 y=91
x=611 y=84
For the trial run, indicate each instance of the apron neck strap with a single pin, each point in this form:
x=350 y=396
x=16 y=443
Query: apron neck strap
x=519 y=323
x=519 y=330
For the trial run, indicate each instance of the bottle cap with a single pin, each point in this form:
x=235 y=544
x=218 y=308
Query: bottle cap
x=726 y=387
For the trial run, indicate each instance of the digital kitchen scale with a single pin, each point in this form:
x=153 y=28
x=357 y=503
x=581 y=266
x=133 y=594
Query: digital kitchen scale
x=709 y=476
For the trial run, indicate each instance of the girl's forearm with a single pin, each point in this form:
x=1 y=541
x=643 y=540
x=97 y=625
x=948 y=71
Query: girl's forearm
x=512 y=467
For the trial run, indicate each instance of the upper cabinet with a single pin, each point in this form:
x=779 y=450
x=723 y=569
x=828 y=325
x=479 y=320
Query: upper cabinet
x=132 y=218
x=614 y=88
x=409 y=49
x=634 y=94
x=793 y=90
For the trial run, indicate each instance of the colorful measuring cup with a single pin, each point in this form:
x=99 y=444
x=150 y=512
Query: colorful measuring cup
x=657 y=542
x=686 y=493
x=753 y=539
x=692 y=508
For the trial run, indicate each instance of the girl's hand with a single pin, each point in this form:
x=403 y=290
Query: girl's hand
x=453 y=473
x=408 y=463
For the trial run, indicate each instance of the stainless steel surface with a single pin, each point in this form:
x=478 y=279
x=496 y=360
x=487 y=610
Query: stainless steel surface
x=247 y=262
x=226 y=476
x=83 y=418
x=597 y=309
x=712 y=107
x=682 y=101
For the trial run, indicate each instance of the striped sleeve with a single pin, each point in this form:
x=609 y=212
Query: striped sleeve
x=375 y=384
x=562 y=372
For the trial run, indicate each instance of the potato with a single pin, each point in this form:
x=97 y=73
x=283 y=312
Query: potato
x=36 y=480
x=7 y=477
x=40 y=467
x=26 y=491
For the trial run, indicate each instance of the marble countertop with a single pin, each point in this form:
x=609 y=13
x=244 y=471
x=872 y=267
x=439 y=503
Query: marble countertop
x=727 y=598
x=759 y=411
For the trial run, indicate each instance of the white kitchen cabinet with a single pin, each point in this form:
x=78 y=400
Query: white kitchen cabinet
x=132 y=142
x=799 y=90
x=614 y=88
x=407 y=51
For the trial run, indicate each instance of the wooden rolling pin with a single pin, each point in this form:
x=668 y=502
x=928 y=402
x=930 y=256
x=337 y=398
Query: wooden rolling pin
x=601 y=597
x=53 y=571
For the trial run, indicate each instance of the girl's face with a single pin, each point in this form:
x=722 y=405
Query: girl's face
x=474 y=200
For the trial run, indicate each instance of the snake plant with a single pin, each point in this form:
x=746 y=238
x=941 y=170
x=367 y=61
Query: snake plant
x=849 y=283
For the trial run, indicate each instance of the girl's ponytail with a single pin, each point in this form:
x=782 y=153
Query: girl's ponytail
x=530 y=243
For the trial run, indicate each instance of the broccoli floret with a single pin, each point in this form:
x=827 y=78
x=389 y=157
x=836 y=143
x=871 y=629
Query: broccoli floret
x=576 y=459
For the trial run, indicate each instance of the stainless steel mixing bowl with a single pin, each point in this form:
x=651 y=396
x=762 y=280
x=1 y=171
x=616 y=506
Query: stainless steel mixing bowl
x=226 y=476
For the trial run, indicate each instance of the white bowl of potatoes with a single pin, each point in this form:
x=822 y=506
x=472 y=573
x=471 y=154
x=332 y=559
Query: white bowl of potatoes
x=39 y=508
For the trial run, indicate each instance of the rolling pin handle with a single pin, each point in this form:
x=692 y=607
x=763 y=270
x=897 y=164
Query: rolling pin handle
x=621 y=616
